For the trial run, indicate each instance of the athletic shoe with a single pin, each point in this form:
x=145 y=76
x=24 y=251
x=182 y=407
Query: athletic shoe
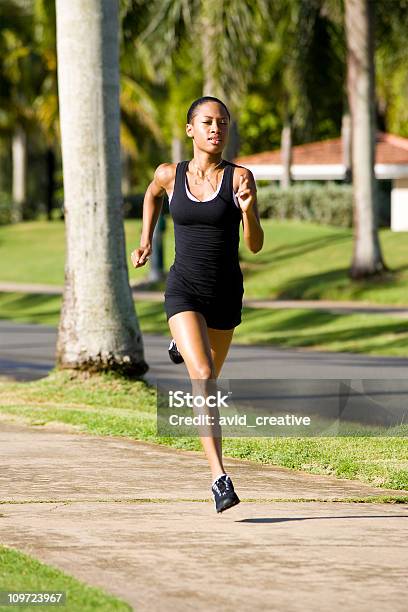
x=174 y=354
x=224 y=494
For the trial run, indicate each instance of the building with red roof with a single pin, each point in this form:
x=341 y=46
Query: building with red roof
x=324 y=161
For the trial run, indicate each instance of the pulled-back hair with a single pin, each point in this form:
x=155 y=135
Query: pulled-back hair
x=192 y=111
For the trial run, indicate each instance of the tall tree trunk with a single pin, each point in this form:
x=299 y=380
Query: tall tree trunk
x=19 y=160
x=210 y=30
x=50 y=161
x=286 y=154
x=98 y=328
x=177 y=149
x=232 y=149
x=346 y=146
x=4 y=164
x=156 y=272
x=367 y=258
x=126 y=173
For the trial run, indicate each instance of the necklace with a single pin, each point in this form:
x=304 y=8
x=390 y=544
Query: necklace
x=206 y=176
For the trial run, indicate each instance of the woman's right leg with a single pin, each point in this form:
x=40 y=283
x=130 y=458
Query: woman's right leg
x=189 y=330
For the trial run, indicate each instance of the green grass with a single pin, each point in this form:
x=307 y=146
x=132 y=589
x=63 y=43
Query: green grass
x=312 y=329
x=373 y=334
x=105 y=404
x=20 y=572
x=30 y=308
x=308 y=261
x=298 y=261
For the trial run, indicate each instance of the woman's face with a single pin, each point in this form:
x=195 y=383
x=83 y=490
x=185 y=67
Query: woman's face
x=209 y=127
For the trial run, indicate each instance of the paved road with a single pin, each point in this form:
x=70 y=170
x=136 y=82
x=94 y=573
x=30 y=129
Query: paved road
x=136 y=519
x=27 y=353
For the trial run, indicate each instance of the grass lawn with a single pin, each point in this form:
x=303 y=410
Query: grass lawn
x=105 y=404
x=356 y=333
x=20 y=572
x=298 y=261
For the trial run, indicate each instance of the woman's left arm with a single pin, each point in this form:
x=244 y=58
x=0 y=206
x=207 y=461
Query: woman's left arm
x=246 y=195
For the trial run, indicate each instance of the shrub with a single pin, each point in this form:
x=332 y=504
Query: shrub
x=328 y=203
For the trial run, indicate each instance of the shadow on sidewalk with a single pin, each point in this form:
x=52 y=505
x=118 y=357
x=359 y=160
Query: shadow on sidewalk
x=261 y=520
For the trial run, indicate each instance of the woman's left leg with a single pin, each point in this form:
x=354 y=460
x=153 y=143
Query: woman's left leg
x=220 y=341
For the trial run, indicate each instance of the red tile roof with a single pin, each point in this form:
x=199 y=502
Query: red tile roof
x=390 y=149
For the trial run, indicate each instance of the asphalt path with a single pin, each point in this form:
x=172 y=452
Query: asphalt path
x=27 y=352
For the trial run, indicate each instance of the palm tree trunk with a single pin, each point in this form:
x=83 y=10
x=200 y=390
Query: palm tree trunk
x=98 y=328
x=346 y=146
x=156 y=272
x=19 y=157
x=286 y=154
x=177 y=149
x=50 y=162
x=211 y=31
x=232 y=149
x=126 y=173
x=209 y=28
x=367 y=258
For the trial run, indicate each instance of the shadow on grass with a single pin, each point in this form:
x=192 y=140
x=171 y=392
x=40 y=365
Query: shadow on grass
x=300 y=329
x=284 y=252
x=32 y=306
x=286 y=328
x=316 y=286
x=152 y=317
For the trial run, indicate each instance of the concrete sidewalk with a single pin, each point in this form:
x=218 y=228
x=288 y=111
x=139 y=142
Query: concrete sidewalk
x=336 y=307
x=136 y=519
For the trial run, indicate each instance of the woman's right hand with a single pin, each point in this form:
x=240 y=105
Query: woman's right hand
x=140 y=256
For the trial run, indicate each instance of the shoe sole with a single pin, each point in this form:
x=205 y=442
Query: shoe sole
x=235 y=502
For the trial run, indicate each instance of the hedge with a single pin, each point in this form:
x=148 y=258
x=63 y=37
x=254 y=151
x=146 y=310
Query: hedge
x=328 y=203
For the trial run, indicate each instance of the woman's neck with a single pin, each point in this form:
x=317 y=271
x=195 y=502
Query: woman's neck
x=205 y=162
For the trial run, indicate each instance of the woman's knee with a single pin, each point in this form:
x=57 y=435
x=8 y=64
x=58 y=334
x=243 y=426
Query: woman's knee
x=203 y=371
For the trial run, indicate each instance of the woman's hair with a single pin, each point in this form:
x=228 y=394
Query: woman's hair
x=192 y=111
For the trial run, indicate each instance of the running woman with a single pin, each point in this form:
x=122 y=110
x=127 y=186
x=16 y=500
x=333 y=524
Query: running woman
x=209 y=197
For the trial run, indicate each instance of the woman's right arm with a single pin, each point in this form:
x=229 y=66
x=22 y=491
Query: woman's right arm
x=152 y=205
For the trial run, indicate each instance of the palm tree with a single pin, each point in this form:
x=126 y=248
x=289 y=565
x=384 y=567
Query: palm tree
x=226 y=33
x=306 y=65
x=18 y=64
x=391 y=65
x=367 y=258
x=139 y=123
x=46 y=102
x=98 y=327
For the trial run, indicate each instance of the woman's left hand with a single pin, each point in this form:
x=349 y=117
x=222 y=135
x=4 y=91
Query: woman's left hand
x=244 y=195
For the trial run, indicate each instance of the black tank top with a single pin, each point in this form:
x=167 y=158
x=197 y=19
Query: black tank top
x=206 y=240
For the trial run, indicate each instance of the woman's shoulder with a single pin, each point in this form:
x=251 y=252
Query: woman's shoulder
x=165 y=174
x=239 y=171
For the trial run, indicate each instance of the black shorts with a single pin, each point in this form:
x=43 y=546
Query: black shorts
x=219 y=313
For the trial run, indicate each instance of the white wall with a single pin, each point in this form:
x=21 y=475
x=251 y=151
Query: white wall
x=399 y=205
